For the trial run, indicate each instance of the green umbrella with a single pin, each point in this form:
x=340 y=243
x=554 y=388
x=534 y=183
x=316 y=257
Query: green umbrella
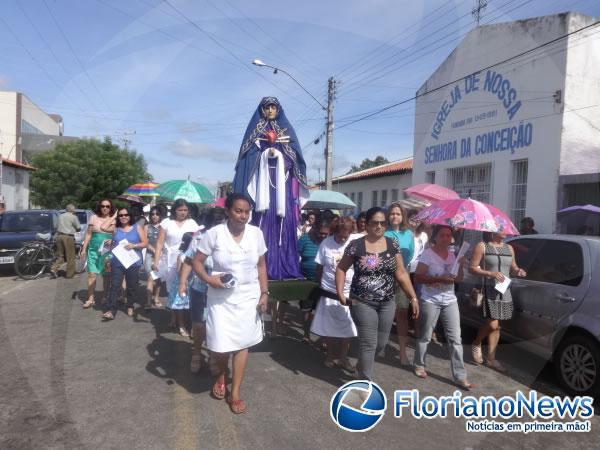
x=185 y=189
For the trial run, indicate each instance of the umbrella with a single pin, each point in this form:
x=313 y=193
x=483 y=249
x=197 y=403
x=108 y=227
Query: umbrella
x=146 y=189
x=580 y=215
x=323 y=199
x=431 y=192
x=468 y=214
x=185 y=189
x=132 y=199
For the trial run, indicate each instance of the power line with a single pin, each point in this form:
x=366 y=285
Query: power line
x=545 y=44
x=54 y=55
x=233 y=55
x=75 y=54
x=35 y=60
x=378 y=73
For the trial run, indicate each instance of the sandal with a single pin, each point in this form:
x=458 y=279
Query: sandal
x=130 y=312
x=420 y=372
x=345 y=364
x=236 y=406
x=476 y=353
x=108 y=316
x=329 y=363
x=158 y=304
x=464 y=384
x=218 y=389
x=496 y=365
x=183 y=332
x=89 y=303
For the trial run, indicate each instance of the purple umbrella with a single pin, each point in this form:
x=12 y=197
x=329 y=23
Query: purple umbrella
x=580 y=215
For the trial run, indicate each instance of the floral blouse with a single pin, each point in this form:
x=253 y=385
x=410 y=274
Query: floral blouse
x=374 y=273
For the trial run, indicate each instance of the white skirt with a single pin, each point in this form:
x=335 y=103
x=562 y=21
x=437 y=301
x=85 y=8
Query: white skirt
x=232 y=325
x=332 y=319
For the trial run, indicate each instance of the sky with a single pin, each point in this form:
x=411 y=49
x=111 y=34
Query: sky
x=173 y=79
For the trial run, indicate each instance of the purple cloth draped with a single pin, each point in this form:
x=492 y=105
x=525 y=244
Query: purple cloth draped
x=280 y=232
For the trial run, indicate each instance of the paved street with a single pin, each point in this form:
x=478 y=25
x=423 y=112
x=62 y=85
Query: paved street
x=71 y=381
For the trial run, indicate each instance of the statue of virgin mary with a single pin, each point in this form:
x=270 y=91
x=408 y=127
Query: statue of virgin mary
x=271 y=170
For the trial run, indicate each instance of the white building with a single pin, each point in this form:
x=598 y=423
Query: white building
x=24 y=130
x=512 y=117
x=377 y=186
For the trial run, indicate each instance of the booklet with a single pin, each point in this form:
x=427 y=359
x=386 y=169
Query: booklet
x=125 y=257
x=502 y=287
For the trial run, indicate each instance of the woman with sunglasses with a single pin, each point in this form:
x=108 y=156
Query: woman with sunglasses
x=136 y=240
x=152 y=229
x=378 y=265
x=99 y=230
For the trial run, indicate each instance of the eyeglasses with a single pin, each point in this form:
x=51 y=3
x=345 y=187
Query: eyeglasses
x=123 y=215
x=381 y=223
x=104 y=206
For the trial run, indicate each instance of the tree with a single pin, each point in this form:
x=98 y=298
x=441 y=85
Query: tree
x=83 y=172
x=368 y=163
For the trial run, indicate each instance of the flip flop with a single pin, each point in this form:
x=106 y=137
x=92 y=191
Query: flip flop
x=218 y=390
x=420 y=372
x=108 y=316
x=237 y=406
x=464 y=384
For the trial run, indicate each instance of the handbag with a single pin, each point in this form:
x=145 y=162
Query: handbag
x=477 y=293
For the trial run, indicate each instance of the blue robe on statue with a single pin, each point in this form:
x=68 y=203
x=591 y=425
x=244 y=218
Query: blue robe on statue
x=272 y=172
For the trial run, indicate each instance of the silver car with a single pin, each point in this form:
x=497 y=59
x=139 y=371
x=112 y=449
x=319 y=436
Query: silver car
x=556 y=307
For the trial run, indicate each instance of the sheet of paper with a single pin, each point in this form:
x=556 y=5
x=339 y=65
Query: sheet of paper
x=464 y=248
x=104 y=247
x=125 y=257
x=502 y=287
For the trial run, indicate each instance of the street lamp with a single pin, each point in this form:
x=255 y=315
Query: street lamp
x=329 y=109
x=259 y=63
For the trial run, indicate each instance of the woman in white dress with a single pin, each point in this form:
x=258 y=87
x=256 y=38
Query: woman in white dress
x=333 y=320
x=233 y=323
x=168 y=242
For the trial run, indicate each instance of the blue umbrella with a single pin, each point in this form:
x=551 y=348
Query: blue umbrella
x=323 y=199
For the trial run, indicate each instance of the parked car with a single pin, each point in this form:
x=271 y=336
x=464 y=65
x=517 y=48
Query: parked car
x=556 y=307
x=19 y=227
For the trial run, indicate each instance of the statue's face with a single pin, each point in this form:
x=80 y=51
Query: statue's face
x=270 y=112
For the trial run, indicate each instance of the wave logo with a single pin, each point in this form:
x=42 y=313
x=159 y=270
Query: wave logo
x=358 y=406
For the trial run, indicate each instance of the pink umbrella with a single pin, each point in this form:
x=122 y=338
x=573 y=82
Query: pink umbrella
x=431 y=192
x=468 y=214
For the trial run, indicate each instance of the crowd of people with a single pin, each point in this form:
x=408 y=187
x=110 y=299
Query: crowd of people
x=371 y=272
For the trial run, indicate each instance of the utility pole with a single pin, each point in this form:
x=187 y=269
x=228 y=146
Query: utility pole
x=329 y=142
x=477 y=10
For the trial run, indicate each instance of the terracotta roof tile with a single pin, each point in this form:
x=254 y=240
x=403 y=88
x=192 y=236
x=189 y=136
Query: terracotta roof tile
x=18 y=165
x=393 y=168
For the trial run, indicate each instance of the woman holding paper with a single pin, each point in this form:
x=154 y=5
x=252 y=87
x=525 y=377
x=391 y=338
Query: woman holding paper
x=127 y=237
x=494 y=260
x=438 y=300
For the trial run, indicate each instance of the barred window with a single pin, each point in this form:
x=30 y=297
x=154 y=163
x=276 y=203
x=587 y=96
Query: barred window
x=518 y=191
x=472 y=181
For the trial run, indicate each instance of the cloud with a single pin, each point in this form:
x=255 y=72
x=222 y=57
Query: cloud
x=188 y=149
x=161 y=162
x=189 y=127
